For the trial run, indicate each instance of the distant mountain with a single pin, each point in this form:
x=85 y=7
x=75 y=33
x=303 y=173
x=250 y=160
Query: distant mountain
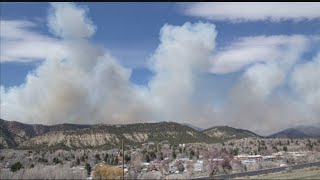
x=312 y=131
x=226 y=132
x=289 y=133
x=20 y=135
x=192 y=126
x=298 y=132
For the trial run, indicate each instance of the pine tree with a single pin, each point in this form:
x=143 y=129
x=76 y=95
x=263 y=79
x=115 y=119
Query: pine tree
x=78 y=161
x=116 y=161
x=106 y=158
x=174 y=154
x=147 y=158
x=88 y=168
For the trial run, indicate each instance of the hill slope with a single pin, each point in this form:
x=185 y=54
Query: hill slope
x=312 y=131
x=289 y=133
x=226 y=132
x=14 y=134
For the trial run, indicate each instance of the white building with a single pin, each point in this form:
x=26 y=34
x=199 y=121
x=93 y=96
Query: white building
x=198 y=166
x=248 y=162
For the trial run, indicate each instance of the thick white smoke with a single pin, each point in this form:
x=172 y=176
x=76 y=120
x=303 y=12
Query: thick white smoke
x=181 y=57
x=87 y=85
x=83 y=83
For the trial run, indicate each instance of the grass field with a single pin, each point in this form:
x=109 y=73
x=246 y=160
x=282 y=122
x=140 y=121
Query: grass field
x=308 y=173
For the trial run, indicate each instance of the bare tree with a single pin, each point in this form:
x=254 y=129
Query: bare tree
x=135 y=165
x=165 y=167
x=190 y=169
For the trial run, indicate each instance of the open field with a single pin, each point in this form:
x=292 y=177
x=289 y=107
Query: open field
x=308 y=173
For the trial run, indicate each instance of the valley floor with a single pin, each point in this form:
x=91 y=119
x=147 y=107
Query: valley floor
x=308 y=173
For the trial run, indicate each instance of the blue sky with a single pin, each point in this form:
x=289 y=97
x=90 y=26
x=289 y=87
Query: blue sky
x=230 y=60
x=119 y=29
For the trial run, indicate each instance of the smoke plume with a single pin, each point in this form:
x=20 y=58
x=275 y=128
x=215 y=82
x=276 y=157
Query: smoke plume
x=82 y=82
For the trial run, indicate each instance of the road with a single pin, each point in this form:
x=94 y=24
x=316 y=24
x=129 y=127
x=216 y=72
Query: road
x=261 y=171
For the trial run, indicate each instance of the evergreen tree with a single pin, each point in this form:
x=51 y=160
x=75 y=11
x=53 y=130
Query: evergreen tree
x=97 y=156
x=174 y=154
x=285 y=148
x=147 y=158
x=16 y=166
x=127 y=158
x=191 y=154
x=161 y=156
x=106 y=158
x=78 y=161
x=88 y=168
x=116 y=161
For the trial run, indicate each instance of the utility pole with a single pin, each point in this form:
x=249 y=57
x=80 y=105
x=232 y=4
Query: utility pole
x=122 y=161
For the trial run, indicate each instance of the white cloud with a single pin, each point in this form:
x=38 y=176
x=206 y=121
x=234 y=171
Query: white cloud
x=20 y=43
x=253 y=11
x=250 y=50
x=70 y=21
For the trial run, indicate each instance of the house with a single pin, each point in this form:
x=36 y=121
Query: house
x=184 y=159
x=126 y=166
x=248 y=162
x=7 y=165
x=182 y=145
x=198 y=166
x=151 y=143
x=145 y=164
x=215 y=159
x=248 y=157
x=269 y=157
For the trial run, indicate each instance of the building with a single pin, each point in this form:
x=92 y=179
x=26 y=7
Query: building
x=248 y=162
x=198 y=166
x=248 y=157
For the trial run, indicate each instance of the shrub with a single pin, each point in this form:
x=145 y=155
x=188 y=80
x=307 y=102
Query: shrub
x=107 y=172
x=16 y=166
x=285 y=148
x=97 y=156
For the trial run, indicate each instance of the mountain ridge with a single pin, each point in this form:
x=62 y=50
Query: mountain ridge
x=16 y=134
x=303 y=131
x=21 y=135
x=227 y=132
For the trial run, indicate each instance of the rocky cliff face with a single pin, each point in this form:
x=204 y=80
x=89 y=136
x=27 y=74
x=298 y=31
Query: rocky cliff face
x=14 y=134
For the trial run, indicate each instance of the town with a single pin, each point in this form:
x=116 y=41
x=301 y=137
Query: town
x=159 y=160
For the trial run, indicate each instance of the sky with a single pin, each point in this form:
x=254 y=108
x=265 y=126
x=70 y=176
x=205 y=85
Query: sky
x=247 y=65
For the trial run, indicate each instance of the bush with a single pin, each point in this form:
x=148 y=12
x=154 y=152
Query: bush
x=107 y=172
x=16 y=166
x=97 y=156
x=285 y=148
x=56 y=160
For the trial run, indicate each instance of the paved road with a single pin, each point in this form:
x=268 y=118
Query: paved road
x=262 y=171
